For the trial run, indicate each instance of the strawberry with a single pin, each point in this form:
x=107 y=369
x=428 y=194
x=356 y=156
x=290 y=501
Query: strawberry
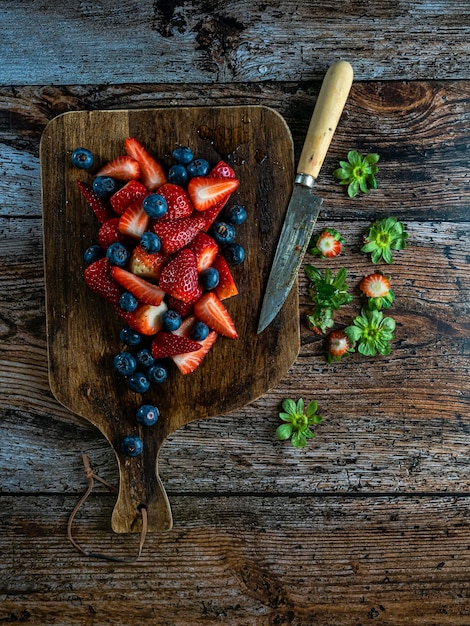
x=146 y=264
x=211 y=214
x=375 y=285
x=178 y=201
x=189 y=361
x=222 y=170
x=99 y=279
x=151 y=172
x=99 y=207
x=124 y=197
x=134 y=221
x=205 y=249
x=146 y=319
x=143 y=290
x=109 y=233
x=166 y=344
x=209 y=309
x=179 y=277
x=205 y=192
x=183 y=308
x=226 y=287
x=337 y=345
x=329 y=244
x=175 y=234
x=121 y=168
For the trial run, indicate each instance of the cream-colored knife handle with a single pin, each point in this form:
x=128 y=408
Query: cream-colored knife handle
x=330 y=104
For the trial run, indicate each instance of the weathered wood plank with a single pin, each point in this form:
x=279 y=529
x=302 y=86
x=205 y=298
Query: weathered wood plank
x=188 y=42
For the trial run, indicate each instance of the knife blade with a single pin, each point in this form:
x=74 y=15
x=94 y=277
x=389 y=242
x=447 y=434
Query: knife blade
x=304 y=206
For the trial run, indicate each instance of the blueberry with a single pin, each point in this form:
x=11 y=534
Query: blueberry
x=130 y=337
x=171 y=320
x=234 y=253
x=209 y=278
x=150 y=242
x=128 y=302
x=145 y=358
x=124 y=364
x=138 y=382
x=155 y=205
x=117 y=254
x=223 y=233
x=93 y=253
x=178 y=174
x=132 y=445
x=236 y=214
x=147 y=415
x=183 y=155
x=82 y=158
x=199 y=331
x=104 y=186
x=157 y=373
x=198 y=167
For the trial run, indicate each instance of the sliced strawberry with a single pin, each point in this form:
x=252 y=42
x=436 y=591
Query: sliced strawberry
x=121 y=168
x=146 y=319
x=143 y=290
x=146 y=264
x=109 y=233
x=175 y=234
x=209 y=309
x=183 y=308
x=226 y=287
x=222 y=170
x=189 y=361
x=205 y=249
x=211 y=214
x=166 y=344
x=99 y=206
x=329 y=244
x=151 y=172
x=179 y=277
x=98 y=277
x=205 y=192
x=375 y=285
x=124 y=197
x=178 y=201
x=134 y=221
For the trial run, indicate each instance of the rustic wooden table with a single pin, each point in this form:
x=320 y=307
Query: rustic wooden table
x=370 y=523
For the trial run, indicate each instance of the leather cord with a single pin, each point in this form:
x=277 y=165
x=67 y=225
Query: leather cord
x=91 y=477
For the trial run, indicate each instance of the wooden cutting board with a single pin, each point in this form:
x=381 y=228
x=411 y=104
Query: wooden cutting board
x=83 y=330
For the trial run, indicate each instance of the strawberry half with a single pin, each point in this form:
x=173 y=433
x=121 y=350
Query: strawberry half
x=143 y=290
x=151 y=172
x=175 y=234
x=102 y=211
x=222 y=170
x=183 y=308
x=146 y=264
x=109 y=233
x=209 y=309
x=132 y=191
x=167 y=344
x=134 y=221
x=177 y=200
x=179 y=277
x=189 y=361
x=146 y=319
x=121 y=168
x=226 y=287
x=205 y=249
x=205 y=192
x=98 y=277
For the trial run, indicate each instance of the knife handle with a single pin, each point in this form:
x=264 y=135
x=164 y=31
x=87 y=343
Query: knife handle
x=330 y=104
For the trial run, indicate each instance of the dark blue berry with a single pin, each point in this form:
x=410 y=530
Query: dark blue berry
x=223 y=232
x=128 y=302
x=236 y=214
x=93 y=253
x=117 y=254
x=104 y=186
x=234 y=253
x=209 y=278
x=145 y=358
x=178 y=174
x=124 y=364
x=138 y=382
x=199 y=331
x=157 y=373
x=132 y=445
x=150 y=242
x=183 y=155
x=82 y=158
x=155 y=205
x=147 y=415
x=198 y=167
x=130 y=337
x=171 y=320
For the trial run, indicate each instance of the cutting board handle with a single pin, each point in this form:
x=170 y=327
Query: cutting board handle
x=328 y=109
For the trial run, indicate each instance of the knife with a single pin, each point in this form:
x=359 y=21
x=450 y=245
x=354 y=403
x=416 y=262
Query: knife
x=304 y=207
